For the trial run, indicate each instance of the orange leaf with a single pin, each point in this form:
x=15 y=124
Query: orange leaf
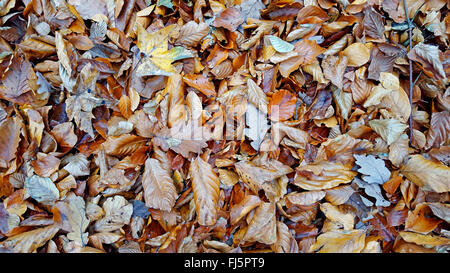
x=125 y=106
x=282 y=105
x=201 y=83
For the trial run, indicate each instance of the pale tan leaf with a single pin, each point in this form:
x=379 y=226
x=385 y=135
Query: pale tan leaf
x=263 y=225
x=159 y=189
x=340 y=242
x=339 y=195
x=323 y=175
x=256 y=174
x=441 y=210
x=285 y=241
x=334 y=68
x=192 y=33
x=123 y=145
x=42 y=189
x=9 y=140
x=427 y=174
x=341 y=149
x=117 y=214
x=357 y=53
x=361 y=87
x=29 y=241
x=344 y=101
x=243 y=208
x=280 y=130
x=336 y=215
x=228 y=178
x=73 y=210
x=256 y=96
x=425 y=240
x=205 y=185
x=389 y=129
x=305 y=198
x=399 y=150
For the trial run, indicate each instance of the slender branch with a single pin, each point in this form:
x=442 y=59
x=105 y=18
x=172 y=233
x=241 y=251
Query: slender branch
x=410 y=72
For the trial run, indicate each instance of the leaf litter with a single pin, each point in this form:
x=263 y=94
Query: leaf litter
x=224 y=126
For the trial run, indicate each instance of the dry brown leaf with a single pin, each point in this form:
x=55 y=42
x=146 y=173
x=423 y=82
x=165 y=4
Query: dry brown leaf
x=205 y=185
x=420 y=220
x=323 y=175
x=123 y=145
x=425 y=240
x=341 y=149
x=201 y=83
x=305 y=198
x=427 y=174
x=357 y=54
x=240 y=210
x=9 y=140
x=340 y=242
x=263 y=225
x=339 y=195
x=28 y=242
x=159 y=189
x=256 y=174
x=192 y=33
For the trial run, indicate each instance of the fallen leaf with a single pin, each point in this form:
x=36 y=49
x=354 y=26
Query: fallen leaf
x=282 y=105
x=42 y=189
x=427 y=174
x=159 y=189
x=389 y=129
x=357 y=54
x=374 y=169
x=28 y=242
x=205 y=185
x=340 y=242
x=323 y=175
x=336 y=215
x=263 y=225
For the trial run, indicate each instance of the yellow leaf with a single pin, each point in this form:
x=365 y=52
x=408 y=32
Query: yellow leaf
x=157 y=57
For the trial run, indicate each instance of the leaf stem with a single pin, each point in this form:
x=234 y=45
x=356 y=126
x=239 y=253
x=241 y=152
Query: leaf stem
x=410 y=72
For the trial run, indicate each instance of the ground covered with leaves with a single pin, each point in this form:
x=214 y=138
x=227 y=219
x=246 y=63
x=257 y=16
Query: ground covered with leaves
x=224 y=126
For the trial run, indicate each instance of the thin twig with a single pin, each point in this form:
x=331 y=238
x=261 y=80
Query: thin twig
x=410 y=72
